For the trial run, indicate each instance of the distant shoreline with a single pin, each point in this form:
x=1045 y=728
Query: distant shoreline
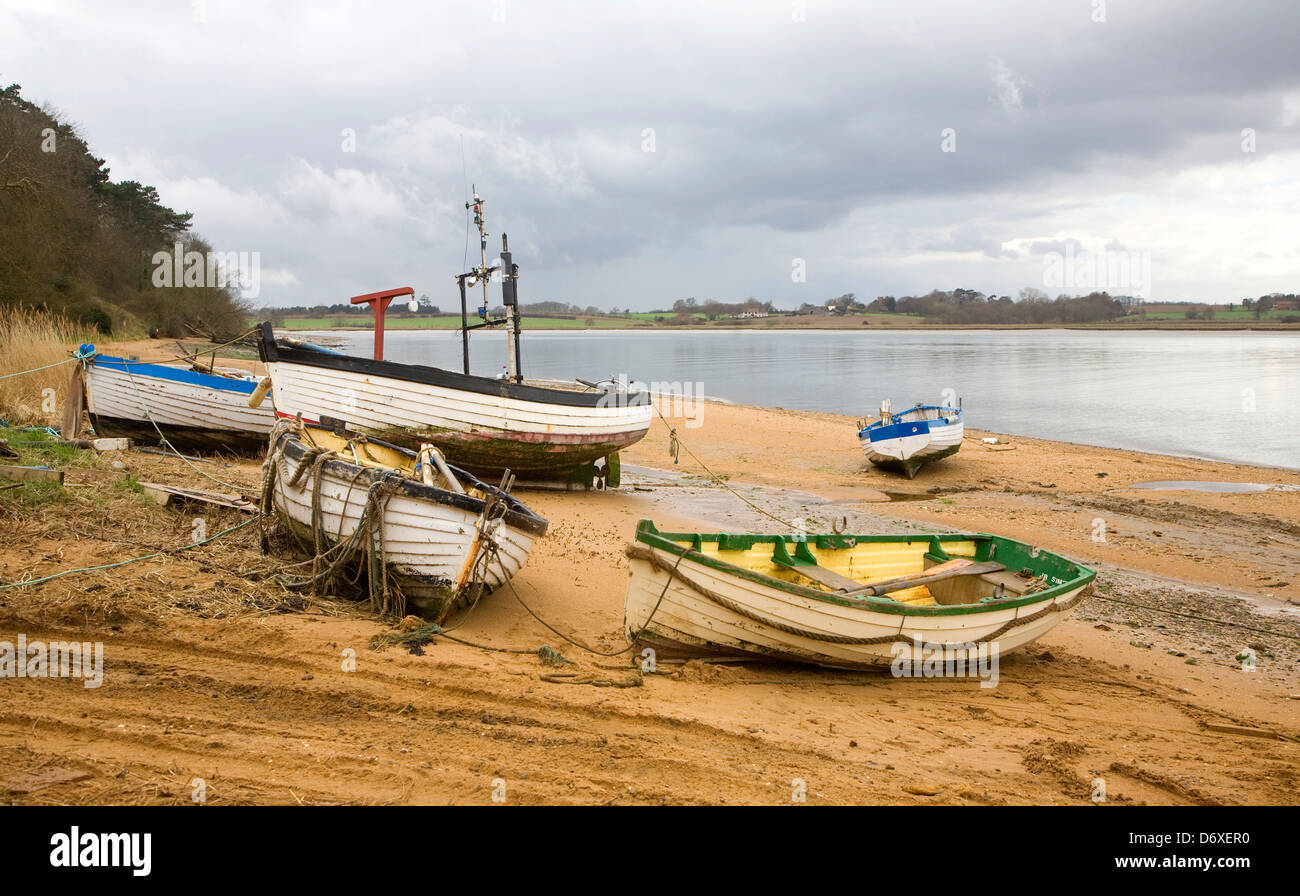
x=852 y=325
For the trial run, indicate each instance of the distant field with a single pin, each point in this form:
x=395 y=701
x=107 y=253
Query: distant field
x=1165 y=318
x=1236 y=315
x=443 y=322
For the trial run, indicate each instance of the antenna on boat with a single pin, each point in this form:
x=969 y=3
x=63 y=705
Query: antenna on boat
x=509 y=295
x=510 y=298
x=482 y=272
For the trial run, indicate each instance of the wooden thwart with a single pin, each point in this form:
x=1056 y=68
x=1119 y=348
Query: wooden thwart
x=950 y=570
x=851 y=587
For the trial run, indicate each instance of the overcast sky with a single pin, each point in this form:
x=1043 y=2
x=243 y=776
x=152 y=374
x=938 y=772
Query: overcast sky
x=639 y=153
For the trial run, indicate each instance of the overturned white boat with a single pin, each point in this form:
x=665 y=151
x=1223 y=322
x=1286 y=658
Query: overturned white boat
x=907 y=441
x=428 y=536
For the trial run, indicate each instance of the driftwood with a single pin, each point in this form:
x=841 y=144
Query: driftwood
x=170 y=494
x=70 y=425
x=31 y=474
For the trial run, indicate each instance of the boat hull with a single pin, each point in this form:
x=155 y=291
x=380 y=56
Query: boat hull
x=431 y=537
x=194 y=411
x=908 y=444
x=483 y=425
x=692 y=605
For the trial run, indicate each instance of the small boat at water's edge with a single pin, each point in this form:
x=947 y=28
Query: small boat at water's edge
x=908 y=440
x=445 y=537
x=846 y=601
x=195 y=411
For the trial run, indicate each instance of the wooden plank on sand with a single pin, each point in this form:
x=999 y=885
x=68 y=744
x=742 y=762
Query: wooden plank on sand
x=166 y=494
x=31 y=474
x=1242 y=730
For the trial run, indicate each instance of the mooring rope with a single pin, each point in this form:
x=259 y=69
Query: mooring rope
x=167 y=444
x=329 y=563
x=676 y=445
x=175 y=550
x=632 y=642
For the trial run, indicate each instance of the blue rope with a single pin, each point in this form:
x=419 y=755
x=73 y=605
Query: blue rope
x=37 y=369
x=83 y=353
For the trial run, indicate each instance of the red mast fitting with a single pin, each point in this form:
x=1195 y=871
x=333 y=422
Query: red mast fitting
x=378 y=302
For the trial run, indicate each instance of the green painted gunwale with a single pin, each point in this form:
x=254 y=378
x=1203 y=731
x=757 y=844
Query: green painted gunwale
x=1014 y=555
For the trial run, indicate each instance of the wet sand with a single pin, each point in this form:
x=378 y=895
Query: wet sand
x=213 y=672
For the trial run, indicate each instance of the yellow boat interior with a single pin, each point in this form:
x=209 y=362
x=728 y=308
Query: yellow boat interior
x=856 y=564
x=359 y=450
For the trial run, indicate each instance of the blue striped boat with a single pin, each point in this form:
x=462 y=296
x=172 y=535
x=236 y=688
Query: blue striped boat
x=908 y=440
x=195 y=411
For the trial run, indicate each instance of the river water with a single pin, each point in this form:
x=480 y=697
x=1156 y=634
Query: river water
x=1223 y=396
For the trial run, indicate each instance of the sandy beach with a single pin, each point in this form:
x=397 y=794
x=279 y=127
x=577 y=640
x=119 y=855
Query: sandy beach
x=213 y=672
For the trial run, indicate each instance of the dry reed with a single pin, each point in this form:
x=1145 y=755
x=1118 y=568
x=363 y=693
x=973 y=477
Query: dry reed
x=28 y=340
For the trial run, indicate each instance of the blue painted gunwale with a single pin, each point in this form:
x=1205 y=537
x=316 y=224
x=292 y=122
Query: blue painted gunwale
x=879 y=431
x=175 y=374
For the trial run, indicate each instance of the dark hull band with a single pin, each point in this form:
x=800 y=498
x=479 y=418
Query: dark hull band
x=188 y=438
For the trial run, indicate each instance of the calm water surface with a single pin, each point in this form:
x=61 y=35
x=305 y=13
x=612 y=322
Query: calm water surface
x=1222 y=396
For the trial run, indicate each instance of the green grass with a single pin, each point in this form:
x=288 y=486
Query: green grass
x=37 y=448
x=1236 y=315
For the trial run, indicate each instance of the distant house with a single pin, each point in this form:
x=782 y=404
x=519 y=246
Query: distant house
x=1286 y=305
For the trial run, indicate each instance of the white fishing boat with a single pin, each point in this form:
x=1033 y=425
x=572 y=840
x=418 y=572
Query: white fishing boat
x=194 y=410
x=908 y=440
x=846 y=601
x=429 y=536
x=484 y=424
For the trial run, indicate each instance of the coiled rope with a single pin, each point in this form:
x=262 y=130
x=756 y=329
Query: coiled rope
x=330 y=564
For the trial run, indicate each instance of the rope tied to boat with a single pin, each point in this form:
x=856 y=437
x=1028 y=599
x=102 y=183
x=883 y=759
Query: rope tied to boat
x=82 y=353
x=675 y=446
x=162 y=438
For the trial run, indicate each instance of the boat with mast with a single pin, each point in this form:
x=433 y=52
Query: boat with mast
x=545 y=435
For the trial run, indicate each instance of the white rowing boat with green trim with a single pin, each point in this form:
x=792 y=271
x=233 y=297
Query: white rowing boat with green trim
x=847 y=601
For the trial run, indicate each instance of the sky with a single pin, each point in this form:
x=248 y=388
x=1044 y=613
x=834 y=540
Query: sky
x=642 y=152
